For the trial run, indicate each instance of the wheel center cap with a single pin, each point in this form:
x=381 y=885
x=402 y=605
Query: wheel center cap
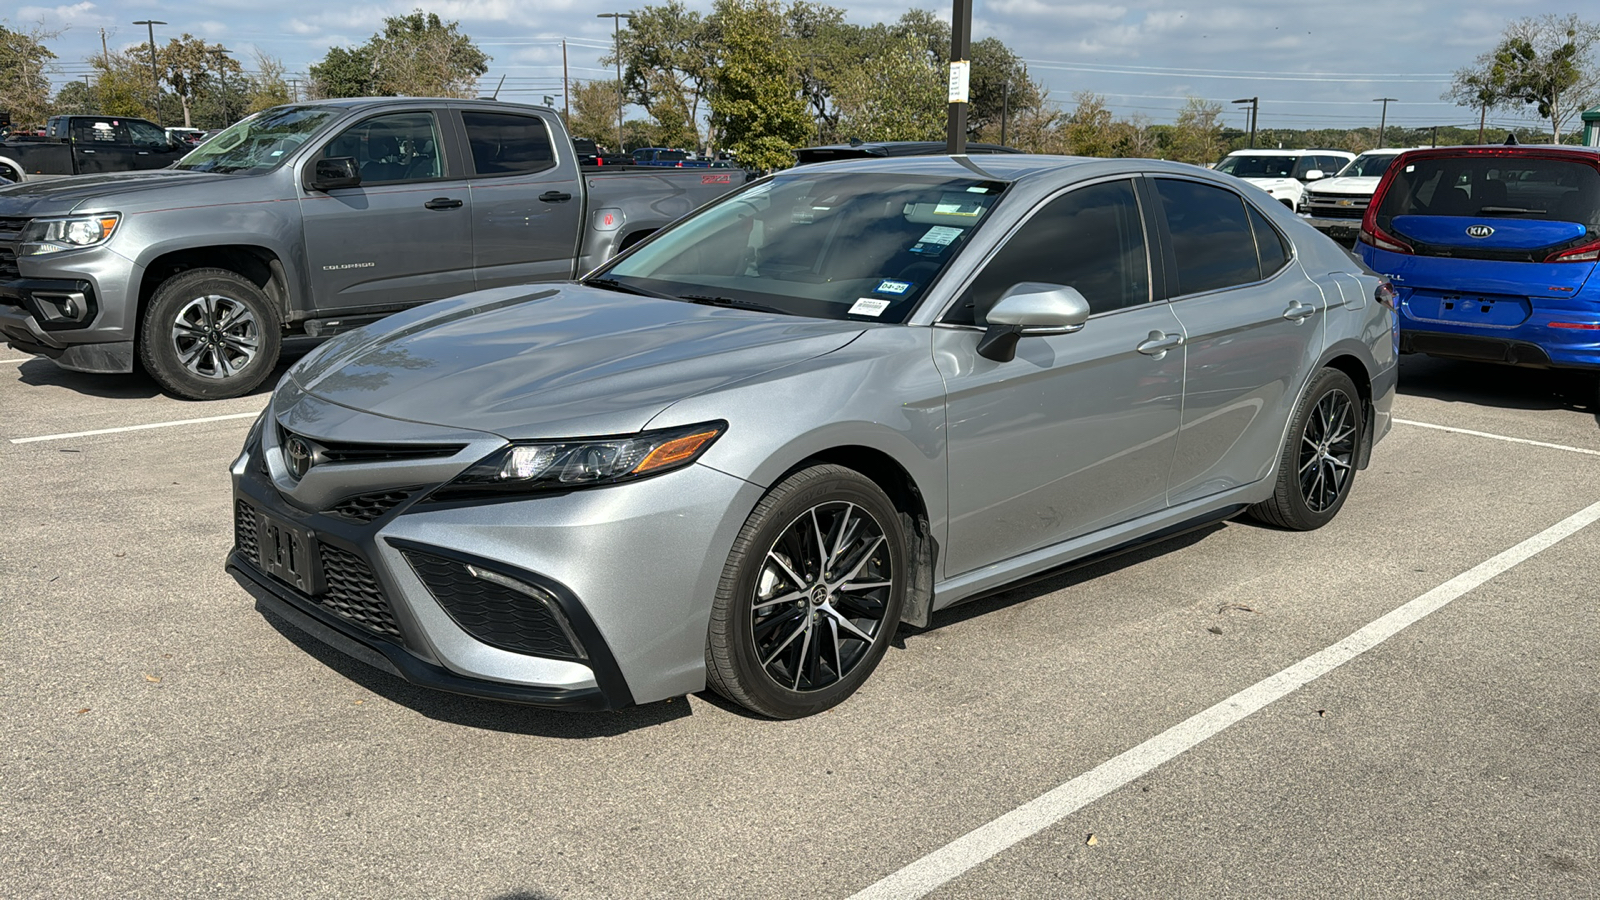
x=819 y=594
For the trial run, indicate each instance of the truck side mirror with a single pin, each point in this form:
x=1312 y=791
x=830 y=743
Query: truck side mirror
x=1315 y=175
x=335 y=172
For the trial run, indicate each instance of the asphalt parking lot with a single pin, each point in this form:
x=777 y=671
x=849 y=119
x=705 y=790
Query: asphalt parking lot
x=1402 y=704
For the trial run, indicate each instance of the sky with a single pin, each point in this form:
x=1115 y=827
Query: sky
x=1311 y=65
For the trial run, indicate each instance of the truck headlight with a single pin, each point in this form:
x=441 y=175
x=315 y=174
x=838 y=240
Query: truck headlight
x=537 y=466
x=55 y=235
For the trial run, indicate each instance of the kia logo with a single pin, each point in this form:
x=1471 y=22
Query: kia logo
x=299 y=456
x=1479 y=231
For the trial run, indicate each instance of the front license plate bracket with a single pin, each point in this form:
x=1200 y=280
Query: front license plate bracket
x=288 y=553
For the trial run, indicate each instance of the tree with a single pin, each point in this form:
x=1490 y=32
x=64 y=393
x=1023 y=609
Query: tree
x=25 y=65
x=122 y=83
x=668 y=57
x=267 y=87
x=1197 y=136
x=999 y=82
x=1548 y=63
x=416 y=55
x=343 y=73
x=193 y=68
x=1091 y=129
x=896 y=94
x=1480 y=86
x=755 y=103
x=594 y=111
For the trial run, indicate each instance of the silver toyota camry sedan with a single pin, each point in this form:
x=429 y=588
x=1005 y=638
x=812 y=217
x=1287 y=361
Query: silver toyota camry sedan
x=742 y=454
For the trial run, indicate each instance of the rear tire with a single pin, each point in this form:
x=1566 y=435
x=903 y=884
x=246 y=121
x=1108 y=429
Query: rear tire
x=810 y=596
x=209 y=334
x=1317 y=464
x=7 y=171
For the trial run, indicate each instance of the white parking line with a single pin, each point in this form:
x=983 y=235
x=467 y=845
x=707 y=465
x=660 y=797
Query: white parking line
x=1497 y=437
x=79 y=434
x=953 y=859
x=20 y=359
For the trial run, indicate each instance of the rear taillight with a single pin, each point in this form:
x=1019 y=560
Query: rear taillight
x=1589 y=252
x=1381 y=239
x=1370 y=232
x=1385 y=293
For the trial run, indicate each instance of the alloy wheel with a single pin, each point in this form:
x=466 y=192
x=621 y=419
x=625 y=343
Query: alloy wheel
x=821 y=597
x=216 y=336
x=1327 y=451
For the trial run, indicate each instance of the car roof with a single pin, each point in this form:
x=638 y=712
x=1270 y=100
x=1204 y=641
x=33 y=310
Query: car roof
x=879 y=149
x=1010 y=167
x=1277 y=152
x=1574 y=151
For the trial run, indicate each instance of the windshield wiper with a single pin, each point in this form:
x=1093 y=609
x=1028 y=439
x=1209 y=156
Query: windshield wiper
x=730 y=303
x=1508 y=209
x=612 y=284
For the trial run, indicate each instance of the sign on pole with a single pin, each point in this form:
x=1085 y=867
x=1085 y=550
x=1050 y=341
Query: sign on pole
x=960 y=81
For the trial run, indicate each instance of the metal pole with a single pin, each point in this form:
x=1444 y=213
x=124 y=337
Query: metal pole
x=566 y=89
x=1005 y=109
x=616 y=31
x=960 y=49
x=1255 y=104
x=1383 y=120
x=155 y=80
x=222 y=76
x=1435 y=140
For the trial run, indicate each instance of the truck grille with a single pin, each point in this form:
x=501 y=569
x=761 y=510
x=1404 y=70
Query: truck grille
x=8 y=263
x=10 y=236
x=1327 y=208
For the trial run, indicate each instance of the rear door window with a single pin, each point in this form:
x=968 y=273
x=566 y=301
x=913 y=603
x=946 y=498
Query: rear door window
x=1270 y=245
x=508 y=144
x=1212 y=240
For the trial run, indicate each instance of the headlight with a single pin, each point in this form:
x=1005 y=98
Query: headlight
x=55 y=235
x=582 y=462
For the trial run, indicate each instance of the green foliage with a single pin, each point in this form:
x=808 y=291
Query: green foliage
x=755 y=103
x=1548 y=63
x=25 y=65
x=668 y=55
x=594 y=111
x=122 y=84
x=194 y=70
x=1197 y=136
x=897 y=94
x=267 y=87
x=416 y=55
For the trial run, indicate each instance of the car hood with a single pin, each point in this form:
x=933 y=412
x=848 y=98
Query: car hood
x=1355 y=186
x=60 y=196
x=1271 y=184
x=556 y=361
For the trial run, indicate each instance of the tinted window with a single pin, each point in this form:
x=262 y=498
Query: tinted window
x=94 y=131
x=1211 y=236
x=504 y=144
x=396 y=147
x=1269 y=243
x=1264 y=166
x=1494 y=187
x=1091 y=239
x=149 y=136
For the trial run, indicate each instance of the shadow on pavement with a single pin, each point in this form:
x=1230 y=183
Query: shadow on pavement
x=1507 y=387
x=489 y=715
x=135 y=385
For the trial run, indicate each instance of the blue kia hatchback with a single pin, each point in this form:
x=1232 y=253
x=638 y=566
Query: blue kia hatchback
x=1492 y=252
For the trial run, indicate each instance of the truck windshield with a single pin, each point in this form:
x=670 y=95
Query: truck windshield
x=1248 y=166
x=259 y=143
x=860 y=246
x=1368 y=165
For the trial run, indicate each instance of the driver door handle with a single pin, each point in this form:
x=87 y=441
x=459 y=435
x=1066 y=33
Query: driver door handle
x=555 y=196
x=1158 y=343
x=1298 y=311
x=443 y=203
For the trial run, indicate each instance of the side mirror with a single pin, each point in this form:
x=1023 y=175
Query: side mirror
x=1030 y=308
x=335 y=172
x=1315 y=175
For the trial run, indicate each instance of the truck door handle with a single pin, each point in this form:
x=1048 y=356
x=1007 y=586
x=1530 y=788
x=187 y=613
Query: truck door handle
x=443 y=203
x=144 y=152
x=85 y=151
x=1157 y=343
x=1298 y=311
x=555 y=196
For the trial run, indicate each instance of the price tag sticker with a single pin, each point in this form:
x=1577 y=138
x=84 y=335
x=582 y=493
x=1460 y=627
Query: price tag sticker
x=869 y=306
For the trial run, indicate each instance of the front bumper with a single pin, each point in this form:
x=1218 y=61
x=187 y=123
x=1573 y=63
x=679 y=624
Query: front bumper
x=631 y=569
x=72 y=307
x=1338 y=229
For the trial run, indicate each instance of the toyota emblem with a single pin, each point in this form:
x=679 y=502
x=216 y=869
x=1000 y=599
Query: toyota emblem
x=299 y=456
x=1479 y=231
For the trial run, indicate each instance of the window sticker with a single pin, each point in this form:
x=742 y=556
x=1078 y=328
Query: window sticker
x=869 y=306
x=897 y=288
x=957 y=205
x=936 y=241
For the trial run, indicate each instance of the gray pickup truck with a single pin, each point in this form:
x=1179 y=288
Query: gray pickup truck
x=307 y=220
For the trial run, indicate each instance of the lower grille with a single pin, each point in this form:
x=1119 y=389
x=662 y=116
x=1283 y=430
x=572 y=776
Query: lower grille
x=352 y=592
x=8 y=263
x=1338 y=212
x=524 y=619
x=244 y=531
x=367 y=507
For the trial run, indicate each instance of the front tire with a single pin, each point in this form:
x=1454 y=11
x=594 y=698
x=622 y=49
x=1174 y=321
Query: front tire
x=1317 y=464
x=209 y=334
x=810 y=596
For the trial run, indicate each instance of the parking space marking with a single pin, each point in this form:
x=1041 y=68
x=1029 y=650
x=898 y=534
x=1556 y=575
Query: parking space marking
x=955 y=858
x=79 y=434
x=1497 y=437
x=20 y=359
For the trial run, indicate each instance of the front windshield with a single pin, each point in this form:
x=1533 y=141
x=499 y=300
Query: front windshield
x=1368 y=165
x=259 y=143
x=863 y=246
x=1248 y=166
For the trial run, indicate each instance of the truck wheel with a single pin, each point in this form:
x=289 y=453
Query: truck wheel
x=209 y=334
x=9 y=172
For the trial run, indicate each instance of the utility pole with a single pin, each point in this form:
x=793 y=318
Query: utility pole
x=616 y=31
x=155 y=81
x=222 y=75
x=960 y=76
x=105 y=54
x=294 y=90
x=1005 y=109
x=566 y=89
x=1383 y=120
x=1255 y=106
x=1435 y=140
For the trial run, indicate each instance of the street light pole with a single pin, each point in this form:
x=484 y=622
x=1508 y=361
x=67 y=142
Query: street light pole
x=221 y=53
x=155 y=81
x=1383 y=120
x=960 y=76
x=616 y=31
x=1255 y=104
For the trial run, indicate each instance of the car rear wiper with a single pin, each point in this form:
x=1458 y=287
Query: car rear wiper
x=1508 y=209
x=612 y=284
x=729 y=302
